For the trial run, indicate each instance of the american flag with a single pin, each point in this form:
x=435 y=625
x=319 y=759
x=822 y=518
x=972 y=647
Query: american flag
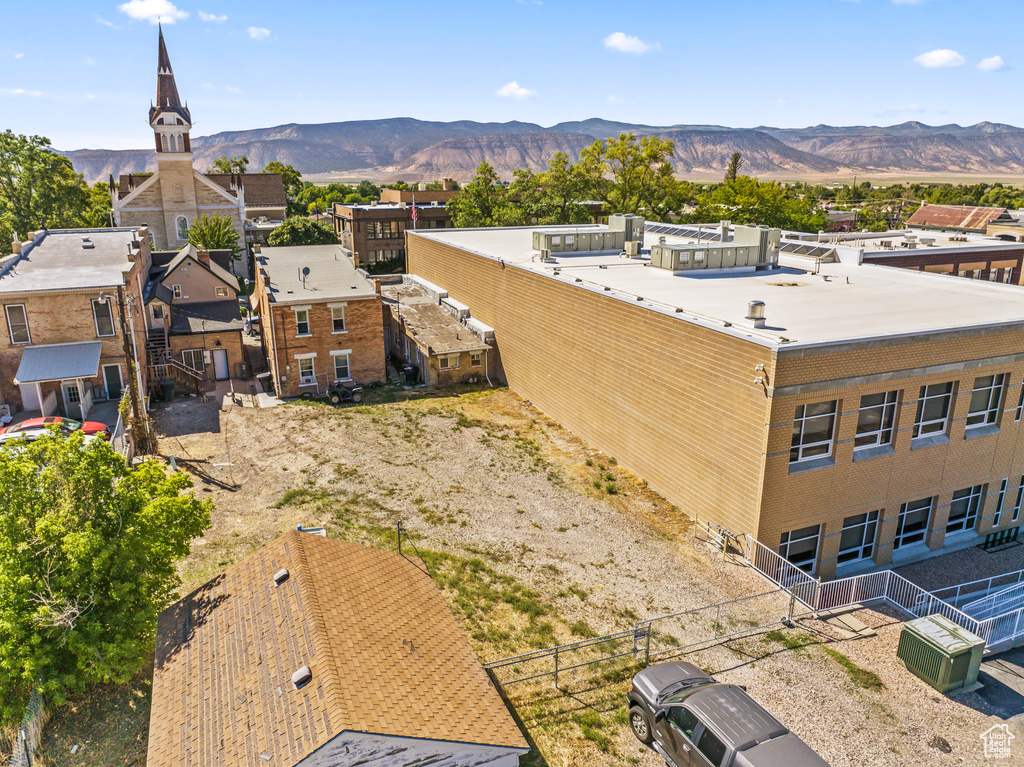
x=415 y=212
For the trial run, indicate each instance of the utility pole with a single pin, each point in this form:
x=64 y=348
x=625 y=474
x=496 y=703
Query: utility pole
x=130 y=362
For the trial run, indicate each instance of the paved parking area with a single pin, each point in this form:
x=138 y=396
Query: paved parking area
x=1003 y=678
x=969 y=564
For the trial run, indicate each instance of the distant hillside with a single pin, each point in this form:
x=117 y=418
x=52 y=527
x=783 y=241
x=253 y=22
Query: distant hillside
x=418 y=149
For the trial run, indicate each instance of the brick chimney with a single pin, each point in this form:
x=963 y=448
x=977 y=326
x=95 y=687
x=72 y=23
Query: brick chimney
x=203 y=257
x=448 y=185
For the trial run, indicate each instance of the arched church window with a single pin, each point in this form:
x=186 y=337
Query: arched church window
x=182 y=224
x=164 y=143
x=179 y=143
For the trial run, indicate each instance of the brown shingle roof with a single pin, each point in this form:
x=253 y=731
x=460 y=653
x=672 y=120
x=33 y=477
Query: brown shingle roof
x=386 y=654
x=956 y=216
x=260 y=188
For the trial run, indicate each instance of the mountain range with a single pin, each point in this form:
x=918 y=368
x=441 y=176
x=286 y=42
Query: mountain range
x=413 y=150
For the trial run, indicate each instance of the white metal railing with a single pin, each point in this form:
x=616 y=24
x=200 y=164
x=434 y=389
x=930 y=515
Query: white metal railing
x=782 y=572
x=997 y=603
x=1002 y=631
x=953 y=594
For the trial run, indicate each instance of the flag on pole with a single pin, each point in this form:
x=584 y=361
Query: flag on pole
x=415 y=212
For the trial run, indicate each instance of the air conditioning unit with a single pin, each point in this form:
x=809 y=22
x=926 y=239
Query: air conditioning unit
x=632 y=248
x=545 y=254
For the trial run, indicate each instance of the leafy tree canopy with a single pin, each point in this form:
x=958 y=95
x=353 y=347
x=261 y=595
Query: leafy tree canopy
x=87 y=552
x=299 y=230
x=38 y=188
x=213 y=233
x=292 y=178
x=225 y=164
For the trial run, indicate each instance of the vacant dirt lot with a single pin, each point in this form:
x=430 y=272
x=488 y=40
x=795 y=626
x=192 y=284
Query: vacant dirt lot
x=537 y=540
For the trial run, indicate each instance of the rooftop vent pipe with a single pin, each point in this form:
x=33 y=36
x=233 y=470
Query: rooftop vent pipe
x=301 y=677
x=280 y=576
x=755 y=313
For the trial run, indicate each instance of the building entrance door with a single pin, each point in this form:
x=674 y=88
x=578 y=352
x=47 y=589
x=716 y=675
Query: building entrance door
x=220 y=364
x=112 y=379
x=72 y=399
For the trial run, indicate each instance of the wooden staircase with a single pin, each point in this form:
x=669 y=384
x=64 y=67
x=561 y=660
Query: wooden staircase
x=162 y=364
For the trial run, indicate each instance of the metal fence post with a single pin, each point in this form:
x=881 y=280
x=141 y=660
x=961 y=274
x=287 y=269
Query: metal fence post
x=647 y=651
x=556 y=666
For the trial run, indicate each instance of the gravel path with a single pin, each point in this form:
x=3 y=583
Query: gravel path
x=486 y=475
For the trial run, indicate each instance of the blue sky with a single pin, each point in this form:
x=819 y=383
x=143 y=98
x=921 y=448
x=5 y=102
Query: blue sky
x=83 y=73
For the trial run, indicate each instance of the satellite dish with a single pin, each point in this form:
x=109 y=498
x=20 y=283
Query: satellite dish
x=305 y=271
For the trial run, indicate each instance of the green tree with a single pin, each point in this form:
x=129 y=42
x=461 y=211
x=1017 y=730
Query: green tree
x=631 y=176
x=224 y=164
x=735 y=163
x=213 y=233
x=96 y=213
x=564 y=187
x=480 y=200
x=299 y=230
x=291 y=178
x=38 y=188
x=88 y=547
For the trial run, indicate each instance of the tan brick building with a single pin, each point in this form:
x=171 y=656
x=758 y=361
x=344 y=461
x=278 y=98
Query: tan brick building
x=320 y=318
x=873 y=417
x=170 y=200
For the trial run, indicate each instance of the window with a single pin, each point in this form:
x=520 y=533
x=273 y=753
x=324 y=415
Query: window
x=1020 y=405
x=164 y=143
x=221 y=292
x=158 y=311
x=181 y=225
x=875 y=419
x=450 y=362
x=933 y=409
x=104 y=318
x=858 y=538
x=193 y=358
x=302 y=322
x=963 y=511
x=985 y=400
x=712 y=748
x=913 y=522
x=476 y=359
x=800 y=547
x=338 y=319
x=341 y=367
x=307 y=373
x=1007 y=276
x=17 y=321
x=73 y=394
x=685 y=721
x=999 y=502
x=1020 y=499
x=993 y=275
x=812 y=431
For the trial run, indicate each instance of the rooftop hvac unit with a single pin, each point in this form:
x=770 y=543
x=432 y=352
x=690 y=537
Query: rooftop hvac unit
x=632 y=248
x=940 y=652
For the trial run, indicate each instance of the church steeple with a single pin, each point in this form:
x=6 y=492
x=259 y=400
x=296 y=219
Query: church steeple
x=170 y=120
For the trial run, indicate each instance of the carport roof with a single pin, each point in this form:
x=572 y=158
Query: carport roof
x=57 y=362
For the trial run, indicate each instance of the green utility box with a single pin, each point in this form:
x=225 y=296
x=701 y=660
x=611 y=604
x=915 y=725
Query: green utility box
x=940 y=652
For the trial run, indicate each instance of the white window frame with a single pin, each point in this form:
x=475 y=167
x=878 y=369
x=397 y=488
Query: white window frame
x=800 y=451
x=24 y=322
x=990 y=388
x=299 y=333
x=1000 y=498
x=973 y=497
x=307 y=380
x=1020 y=404
x=176 y=291
x=904 y=538
x=96 y=320
x=1020 y=500
x=157 y=310
x=178 y=229
x=345 y=354
x=883 y=434
x=476 y=359
x=194 y=354
x=926 y=428
x=220 y=291
x=444 y=362
x=787 y=541
x=335 y=318
x=867 y=524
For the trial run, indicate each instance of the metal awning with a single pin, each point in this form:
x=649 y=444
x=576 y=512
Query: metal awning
x=56 y=362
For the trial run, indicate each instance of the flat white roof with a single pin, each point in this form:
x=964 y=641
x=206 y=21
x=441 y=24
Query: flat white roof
x=72 y=259
x=843 y=303
x=330 y=274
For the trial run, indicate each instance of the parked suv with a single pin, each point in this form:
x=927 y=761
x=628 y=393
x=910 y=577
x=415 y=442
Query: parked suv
x=694 y=721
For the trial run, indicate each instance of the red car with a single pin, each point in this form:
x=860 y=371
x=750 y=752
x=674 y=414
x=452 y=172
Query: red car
x=66 y=425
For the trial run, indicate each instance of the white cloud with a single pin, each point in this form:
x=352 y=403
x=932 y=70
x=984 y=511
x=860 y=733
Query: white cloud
x=530 y=2
x=515 y=90
x=992 y=64
x=213 y=17
x=104 y=22
x=258 y=33
x=153 y=11
x=940 y=57
x=90 y=95
x=89 y=60
x=620 y=41
x=19 y=92
x=19 y=55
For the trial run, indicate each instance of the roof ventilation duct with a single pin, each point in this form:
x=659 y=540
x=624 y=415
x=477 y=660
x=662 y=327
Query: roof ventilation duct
x=755 y=313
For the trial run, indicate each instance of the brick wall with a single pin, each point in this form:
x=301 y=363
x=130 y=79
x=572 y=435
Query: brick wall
x=229 y=340
x=671 y=401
